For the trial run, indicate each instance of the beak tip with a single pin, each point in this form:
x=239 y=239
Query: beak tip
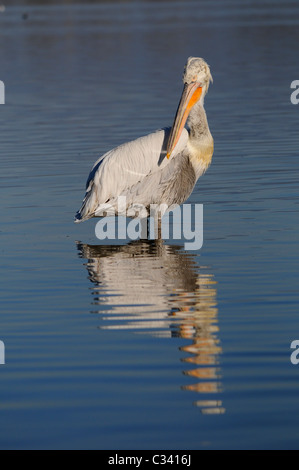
x=168 y=156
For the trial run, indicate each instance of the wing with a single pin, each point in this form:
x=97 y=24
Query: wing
x=121 y=169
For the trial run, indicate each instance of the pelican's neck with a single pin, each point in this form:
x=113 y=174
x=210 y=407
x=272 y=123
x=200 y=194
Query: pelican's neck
x=201 y=144
x=198 y=124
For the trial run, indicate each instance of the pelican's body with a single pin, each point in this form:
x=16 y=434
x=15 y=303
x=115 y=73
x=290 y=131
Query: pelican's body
x=159 y=169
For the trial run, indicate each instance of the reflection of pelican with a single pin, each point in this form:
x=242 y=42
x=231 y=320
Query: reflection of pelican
x=160 y=168
x=154 y=288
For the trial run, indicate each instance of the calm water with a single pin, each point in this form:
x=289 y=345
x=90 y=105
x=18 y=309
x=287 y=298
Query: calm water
x=145 y=345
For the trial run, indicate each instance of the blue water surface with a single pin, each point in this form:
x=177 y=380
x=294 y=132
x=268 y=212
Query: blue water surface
x=145 y=345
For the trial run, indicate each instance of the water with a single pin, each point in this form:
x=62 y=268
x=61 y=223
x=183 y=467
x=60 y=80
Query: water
x=145 y=345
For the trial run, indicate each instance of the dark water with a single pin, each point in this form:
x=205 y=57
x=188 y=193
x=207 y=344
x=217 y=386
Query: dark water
x=145 y=345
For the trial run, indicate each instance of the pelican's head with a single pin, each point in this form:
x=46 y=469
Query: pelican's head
x=196 y=78
x=197 y=72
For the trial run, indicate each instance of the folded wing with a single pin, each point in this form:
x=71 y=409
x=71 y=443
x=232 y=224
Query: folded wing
x=120 y=171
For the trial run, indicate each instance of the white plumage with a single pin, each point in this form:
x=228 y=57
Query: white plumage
x=142 y=172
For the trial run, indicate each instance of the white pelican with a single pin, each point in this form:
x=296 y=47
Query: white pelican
x=160 y=168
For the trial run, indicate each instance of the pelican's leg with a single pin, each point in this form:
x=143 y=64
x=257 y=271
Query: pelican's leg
x=159 y=228
x=144 y=229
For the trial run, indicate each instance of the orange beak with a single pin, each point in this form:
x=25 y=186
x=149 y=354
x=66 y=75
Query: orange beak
x=190 y=96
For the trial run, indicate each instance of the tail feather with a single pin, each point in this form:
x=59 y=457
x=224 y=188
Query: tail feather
x=84 y=213
x=79 y=218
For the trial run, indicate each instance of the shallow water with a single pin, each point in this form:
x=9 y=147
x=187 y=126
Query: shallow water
x=144 y=344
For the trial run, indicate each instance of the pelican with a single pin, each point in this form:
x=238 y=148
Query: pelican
x=161 y=168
